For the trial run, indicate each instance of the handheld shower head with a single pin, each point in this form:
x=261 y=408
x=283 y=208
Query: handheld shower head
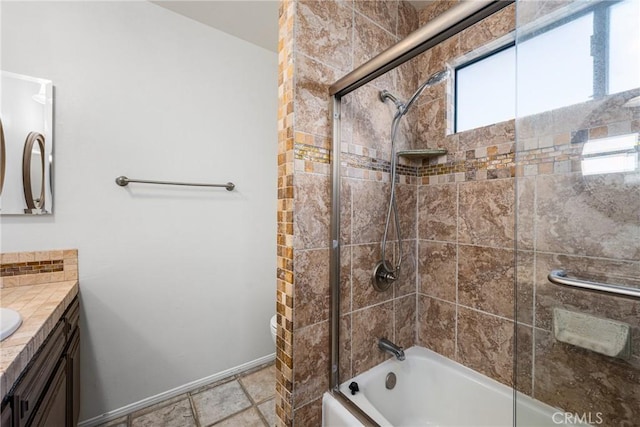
x=404 y=107
x=432 y=80
x=436 y=78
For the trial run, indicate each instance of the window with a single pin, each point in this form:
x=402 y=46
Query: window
x=624 y=46
x=485 y=90
x=587 y=55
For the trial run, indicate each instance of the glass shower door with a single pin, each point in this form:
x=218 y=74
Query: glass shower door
x=578 y=209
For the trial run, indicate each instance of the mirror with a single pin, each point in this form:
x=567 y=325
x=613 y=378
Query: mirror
x=33 y=171
x=27 y=144
x=2 y=157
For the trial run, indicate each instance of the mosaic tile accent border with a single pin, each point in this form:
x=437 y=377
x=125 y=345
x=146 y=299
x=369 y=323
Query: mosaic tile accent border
x=550 y=154
x=286 y=170
x=312 y=153
x=34 y=268
x=486 y=163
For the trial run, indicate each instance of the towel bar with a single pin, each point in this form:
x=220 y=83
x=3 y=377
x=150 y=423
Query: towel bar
x=123 y=181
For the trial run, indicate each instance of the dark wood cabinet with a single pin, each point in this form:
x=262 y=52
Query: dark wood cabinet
x=47 y=393
x=7 y=416
x=73 y=377
x=52 y=412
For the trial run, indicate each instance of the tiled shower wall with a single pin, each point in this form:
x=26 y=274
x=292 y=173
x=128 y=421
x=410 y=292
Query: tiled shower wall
x=590 y=226
x=469 y=205
x=466 y=217
x=320 y=41
x=459 y=216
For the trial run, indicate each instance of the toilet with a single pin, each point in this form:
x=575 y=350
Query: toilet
x=274 y=327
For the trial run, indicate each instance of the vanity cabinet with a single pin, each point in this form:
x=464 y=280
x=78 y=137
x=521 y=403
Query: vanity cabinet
x=47 y=392
x=7 y=416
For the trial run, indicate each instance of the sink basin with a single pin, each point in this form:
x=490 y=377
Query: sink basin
x=10 y=320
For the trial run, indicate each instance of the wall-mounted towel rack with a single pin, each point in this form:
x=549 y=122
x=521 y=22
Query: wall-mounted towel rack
x=123 y=181
x=559 y=277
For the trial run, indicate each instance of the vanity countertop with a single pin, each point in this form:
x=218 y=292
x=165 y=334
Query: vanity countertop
x=41 y=306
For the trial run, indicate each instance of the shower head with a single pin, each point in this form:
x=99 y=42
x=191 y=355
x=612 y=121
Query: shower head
x=432 y=80
x=404 y=107
x=436 y=78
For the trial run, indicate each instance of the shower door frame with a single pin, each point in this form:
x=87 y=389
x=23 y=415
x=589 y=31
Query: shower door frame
x=434 y=32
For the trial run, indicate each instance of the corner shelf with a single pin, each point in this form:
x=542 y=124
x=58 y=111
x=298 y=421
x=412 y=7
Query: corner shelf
x=422 y=154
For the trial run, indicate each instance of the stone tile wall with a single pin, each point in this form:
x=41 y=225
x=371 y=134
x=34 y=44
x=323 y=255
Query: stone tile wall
x=590 y=226
x=478 y=221
x=466 y=211
x=491 y=216
x=320 y=41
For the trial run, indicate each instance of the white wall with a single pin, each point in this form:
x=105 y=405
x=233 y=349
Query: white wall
x=176 y=283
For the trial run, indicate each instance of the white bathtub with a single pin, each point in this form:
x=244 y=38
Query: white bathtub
x=432 y=390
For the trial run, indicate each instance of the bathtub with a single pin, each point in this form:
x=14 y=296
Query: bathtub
x=432 y=390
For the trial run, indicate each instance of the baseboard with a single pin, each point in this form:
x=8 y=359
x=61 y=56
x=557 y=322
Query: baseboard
x=132 y=407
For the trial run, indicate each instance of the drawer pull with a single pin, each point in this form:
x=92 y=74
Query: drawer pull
x=24 y=407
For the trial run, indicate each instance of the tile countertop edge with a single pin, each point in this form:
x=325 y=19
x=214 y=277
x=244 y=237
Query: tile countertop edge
x=15 y=358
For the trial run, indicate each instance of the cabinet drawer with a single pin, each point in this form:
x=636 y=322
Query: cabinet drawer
x=72 y=318
x=29 y=388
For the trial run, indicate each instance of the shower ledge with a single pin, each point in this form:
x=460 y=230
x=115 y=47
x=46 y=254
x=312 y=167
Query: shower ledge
x=422 y=154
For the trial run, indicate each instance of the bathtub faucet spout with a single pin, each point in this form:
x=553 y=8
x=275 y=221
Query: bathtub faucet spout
x=389 y=347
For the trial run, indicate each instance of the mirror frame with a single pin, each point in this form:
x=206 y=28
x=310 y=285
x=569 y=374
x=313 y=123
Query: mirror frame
x=3 y=157
x=32 y=139
x=22 y=106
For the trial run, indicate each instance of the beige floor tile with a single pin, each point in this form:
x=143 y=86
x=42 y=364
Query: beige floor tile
x=268 y=410
x=152 y=408
x=174 y=415
x=212 y=385
x=248 y=418
x=261 y=385
x=220 y=402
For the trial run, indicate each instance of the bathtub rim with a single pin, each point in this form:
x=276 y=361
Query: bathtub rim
x=519 y=399
x=352 y=408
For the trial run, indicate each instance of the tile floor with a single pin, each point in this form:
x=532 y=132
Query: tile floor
x=244 y=400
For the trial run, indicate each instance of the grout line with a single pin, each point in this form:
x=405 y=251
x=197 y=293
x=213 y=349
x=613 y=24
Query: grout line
x=370 y=306
x=398 y=18
x=394 y=309
x=475 y=245
x=262 y=417
x=535 y=286
x=371 y=20
x=632 y=261
x=353 y=35
x=254 y=403
x=455 y=348
x=247 y=394
x=194 y=411
x=228 y=417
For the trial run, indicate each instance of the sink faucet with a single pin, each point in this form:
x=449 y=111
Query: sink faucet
x=389 y=347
